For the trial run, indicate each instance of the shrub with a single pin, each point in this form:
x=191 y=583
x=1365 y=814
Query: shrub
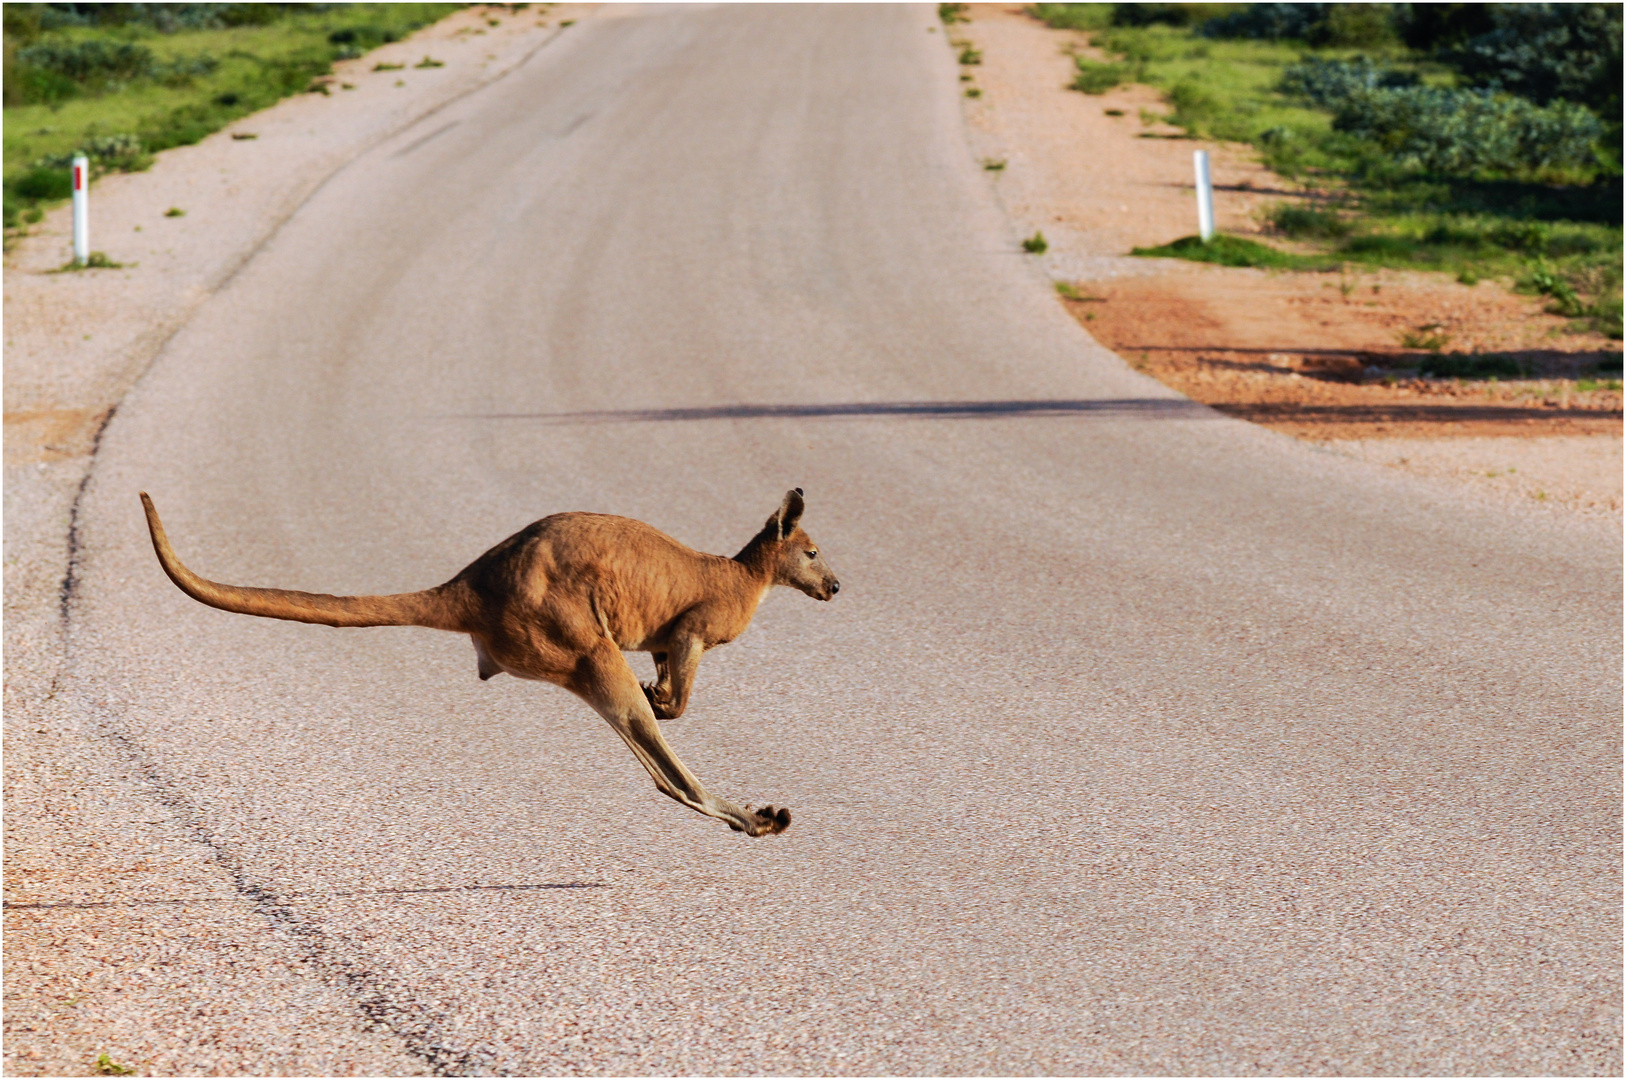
x=1565 y=301
x=1266 y=22
x=1305 y=221
x=1436 y=28
x=1464 y=132
x=1548 y=52
x=90 y=61
x=356 y=40
x=42 y=182
x=1073 y=16
x=30 y=85
x=1097 y=78
x=1354 y=26
x=1164 y=14
x=107 y=153
x=1530 y=237
x=182 y=70
x=1329 y=82
x=1195 y=107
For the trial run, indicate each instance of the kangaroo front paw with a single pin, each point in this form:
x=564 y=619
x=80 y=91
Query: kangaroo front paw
x=770 y=820
x=661 y=709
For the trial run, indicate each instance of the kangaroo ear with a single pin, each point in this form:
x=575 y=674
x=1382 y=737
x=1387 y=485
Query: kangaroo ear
x=790 y=512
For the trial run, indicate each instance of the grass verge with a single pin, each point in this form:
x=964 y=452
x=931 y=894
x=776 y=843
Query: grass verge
x=65 y=92
x=1553 y=234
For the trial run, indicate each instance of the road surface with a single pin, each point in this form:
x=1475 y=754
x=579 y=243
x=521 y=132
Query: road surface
x=1138 y=740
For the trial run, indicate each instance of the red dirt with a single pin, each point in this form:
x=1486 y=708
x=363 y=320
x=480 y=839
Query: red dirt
x=1319 y=356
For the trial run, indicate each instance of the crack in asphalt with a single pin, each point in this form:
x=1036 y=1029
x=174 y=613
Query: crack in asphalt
x=383 y=1003
x=70 y=576
x=410 y=1021
x=80 y=905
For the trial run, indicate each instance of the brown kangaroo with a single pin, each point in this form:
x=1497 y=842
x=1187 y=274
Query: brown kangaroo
x=560 y=600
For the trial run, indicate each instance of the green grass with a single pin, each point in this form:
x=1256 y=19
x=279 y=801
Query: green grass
x=256 y=67
x=1073 y=16
x=96 y=260
x=1095 y=77
x=1561 y=242
x=1235 y=251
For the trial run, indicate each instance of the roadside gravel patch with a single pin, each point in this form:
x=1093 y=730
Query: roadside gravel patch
x=123 y=933
x=1068 y=170
x=1272 y=348
x=1576 y=472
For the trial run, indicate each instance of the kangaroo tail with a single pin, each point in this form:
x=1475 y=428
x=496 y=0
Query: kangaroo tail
x=431 y=607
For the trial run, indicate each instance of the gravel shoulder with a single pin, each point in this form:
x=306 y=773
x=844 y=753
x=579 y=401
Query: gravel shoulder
x=1318 y=356
x=81 y=824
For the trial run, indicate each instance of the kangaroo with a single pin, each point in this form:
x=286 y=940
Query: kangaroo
x=559 y=602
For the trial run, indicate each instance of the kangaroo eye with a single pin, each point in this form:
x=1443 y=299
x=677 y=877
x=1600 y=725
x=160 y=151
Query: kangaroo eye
x=813 y=554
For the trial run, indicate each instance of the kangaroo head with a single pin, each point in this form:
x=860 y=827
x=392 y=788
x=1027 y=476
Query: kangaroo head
x=793 y=556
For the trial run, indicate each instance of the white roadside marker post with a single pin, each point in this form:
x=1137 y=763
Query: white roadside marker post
x=1205 y=197
x=81 y=210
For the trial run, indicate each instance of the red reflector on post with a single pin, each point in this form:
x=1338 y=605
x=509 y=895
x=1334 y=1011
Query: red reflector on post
x=78 y=178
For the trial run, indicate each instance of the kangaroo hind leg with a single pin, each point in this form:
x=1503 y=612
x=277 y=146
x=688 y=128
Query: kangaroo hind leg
x=605 y=682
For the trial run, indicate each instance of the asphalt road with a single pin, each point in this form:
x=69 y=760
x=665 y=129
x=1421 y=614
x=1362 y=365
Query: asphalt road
x=1138 y=740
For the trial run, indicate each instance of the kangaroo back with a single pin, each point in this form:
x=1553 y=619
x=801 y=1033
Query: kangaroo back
x=430 y=607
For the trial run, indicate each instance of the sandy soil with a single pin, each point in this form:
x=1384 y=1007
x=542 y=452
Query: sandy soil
x=80 y=825
x=1318 y=356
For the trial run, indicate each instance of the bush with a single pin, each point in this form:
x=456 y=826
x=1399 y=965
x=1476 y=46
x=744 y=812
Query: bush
x=1544 y=281
x=1329 y=82
x=107 y=153
x=1073 y=16
x=1160 y=14
x=353 y=41
x=1267 y=22
x=1530 y=237
x=1548 y=52
x=1098 y=78
x=1464 y=132
x=182 y=70
x=93 y=60
x=1342 y=26
x=55 y=71
x=42 y=182
x=1354 y=26
x=1307 y=222
x=1438 y=28
x=30 y=85
x=1195 y=107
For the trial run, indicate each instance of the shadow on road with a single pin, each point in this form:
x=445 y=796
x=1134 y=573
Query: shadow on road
x=1270 y=412
x=929 y=410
